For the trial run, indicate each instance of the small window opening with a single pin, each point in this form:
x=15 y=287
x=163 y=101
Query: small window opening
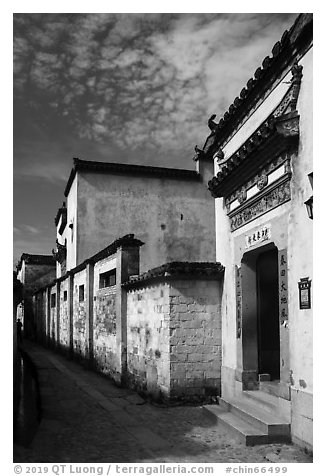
x=53 y=300
x=65 y=295
x=81 y=293
x=107 y=279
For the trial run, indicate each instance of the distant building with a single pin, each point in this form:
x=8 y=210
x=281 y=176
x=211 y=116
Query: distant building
x=262 y=149
x=33 y=271
x=170 y=210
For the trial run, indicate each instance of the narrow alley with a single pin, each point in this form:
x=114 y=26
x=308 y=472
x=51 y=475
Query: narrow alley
x=85 y=418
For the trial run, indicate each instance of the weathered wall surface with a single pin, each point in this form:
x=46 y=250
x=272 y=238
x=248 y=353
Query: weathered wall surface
x=164 y=341
x=300 y=263
x=174 y=339
x=107 y=358
x=80 y=344
x=39 y=309
x=46 y=278
x=70 y=232
x=148 y=334
x=175 y=218
x=53 y=314
x=64 y=315
x=33 y=276
x=196 y=338
x=38 y=275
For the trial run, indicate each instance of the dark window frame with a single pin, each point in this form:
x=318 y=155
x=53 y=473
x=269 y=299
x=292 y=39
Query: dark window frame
x=81 y=293
x=53 y=300
x=108 y=279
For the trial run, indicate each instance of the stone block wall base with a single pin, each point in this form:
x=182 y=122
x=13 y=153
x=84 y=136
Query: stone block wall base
x=302 y=417
x=303 y=444
x=199 y=394
x=249 y=379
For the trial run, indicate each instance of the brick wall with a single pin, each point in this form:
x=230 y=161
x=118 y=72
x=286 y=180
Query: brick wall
x=64 y=315
x=148 y=360
x=106 y=351
x=174 y=339
x=80 y=344
x=159 y=332
x=195 y=339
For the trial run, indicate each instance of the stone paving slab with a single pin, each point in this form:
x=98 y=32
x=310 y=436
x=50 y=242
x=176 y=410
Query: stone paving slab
x=88 y=419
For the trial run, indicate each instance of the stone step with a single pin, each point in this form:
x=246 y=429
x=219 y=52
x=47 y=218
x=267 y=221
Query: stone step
x=240 y=429
x=263 y=400
x=271 y=388
x=268 y=402
x=270 y=422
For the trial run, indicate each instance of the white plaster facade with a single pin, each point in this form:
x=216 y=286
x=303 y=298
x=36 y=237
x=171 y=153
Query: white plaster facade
x=171 y=212
x=289 y=230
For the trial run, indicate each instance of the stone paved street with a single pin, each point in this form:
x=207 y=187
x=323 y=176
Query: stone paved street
x=88 y=419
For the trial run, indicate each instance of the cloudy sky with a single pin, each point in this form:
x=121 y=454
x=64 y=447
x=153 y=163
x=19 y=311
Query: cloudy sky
x=134 y=88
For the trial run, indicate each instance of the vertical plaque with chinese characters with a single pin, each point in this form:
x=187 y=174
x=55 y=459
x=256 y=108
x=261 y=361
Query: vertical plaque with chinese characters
x=283 y=286
x=238 y=300
x=304 y=293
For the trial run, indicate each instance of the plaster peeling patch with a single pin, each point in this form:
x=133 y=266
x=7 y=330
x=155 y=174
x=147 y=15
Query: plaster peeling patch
x=302 y=383
x=291 y=377
x=282 y=362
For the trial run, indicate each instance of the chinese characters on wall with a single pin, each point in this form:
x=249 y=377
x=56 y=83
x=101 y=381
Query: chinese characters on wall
x=238 y=300
x=283 y=287
x=260 y=235
x=304 y=293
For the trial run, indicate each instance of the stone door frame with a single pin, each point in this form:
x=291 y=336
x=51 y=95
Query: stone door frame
x=247 y=334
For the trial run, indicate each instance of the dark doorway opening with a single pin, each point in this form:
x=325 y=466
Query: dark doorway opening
x=268 y=314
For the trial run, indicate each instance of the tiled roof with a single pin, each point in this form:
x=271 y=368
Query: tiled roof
x=125 y=241
x=283 y=53
x=179 y=269
x=128 y=169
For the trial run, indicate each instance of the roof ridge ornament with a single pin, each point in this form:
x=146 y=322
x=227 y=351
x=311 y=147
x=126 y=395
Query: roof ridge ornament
x=200 y=154
x=296 y=71
x=211 y=124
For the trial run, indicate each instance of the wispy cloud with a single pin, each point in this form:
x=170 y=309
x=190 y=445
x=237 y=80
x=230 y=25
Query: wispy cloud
x=137 y=80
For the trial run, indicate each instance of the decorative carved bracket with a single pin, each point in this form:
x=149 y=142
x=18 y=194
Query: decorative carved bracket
x=288 y=124
x=200 y=154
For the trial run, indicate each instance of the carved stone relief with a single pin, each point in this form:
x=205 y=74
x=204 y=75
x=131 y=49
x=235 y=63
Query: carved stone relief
x=284 y=158
x=262 y=181
x=277 y=196
x=242 y=195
